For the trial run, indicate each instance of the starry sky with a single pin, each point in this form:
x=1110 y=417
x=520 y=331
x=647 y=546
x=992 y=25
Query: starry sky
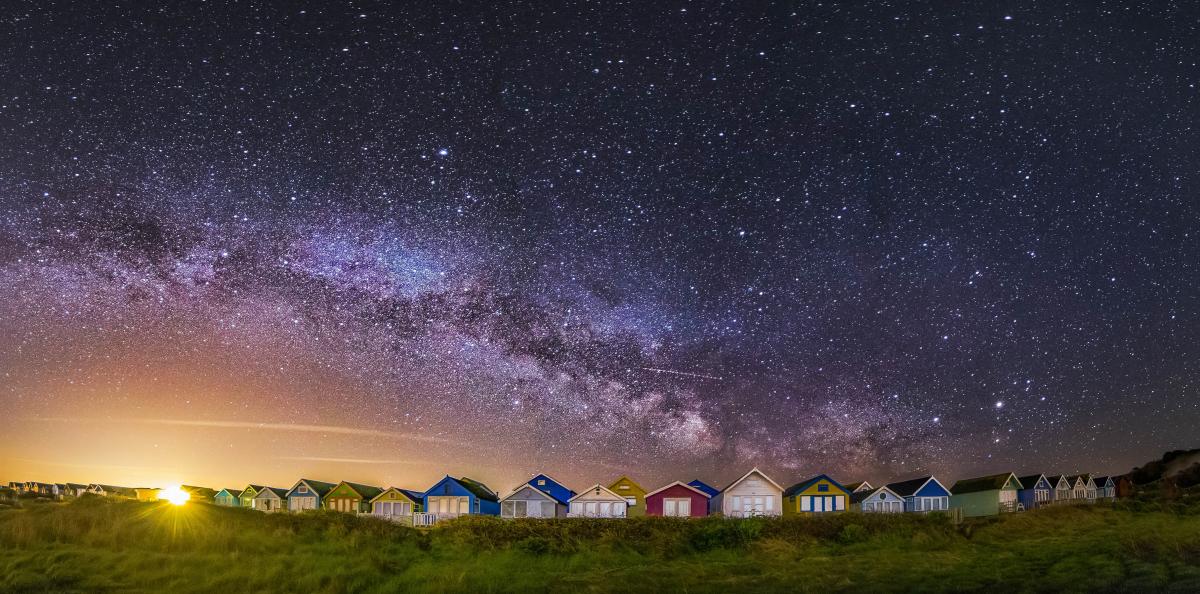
x=248 y=243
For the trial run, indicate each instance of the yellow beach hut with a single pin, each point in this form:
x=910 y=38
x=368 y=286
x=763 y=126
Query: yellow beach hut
x=633 y=494
x=819 y=494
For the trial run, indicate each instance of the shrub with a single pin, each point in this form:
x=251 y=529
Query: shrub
x=534 y=545
x=852 y=534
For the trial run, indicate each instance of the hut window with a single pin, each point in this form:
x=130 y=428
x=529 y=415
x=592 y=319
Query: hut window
x=823 y=487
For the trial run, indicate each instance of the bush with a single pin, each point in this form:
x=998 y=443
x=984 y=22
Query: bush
x=105 y=545
x=852 y=534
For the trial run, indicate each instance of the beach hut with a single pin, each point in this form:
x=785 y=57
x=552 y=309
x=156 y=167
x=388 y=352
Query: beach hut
x=528 y=502
x=270 y=500
x=112 y=491
x=753 y=494
x=1089 y=488
x=859 y=486
x=633 y=493
x=307 y=494
x=351 y=498
x=987 y=495
x=228 y=498
x=1124 y=486
x=248 y=494
x=1078 y=487
x=922 y=494
x=50 y=490
x=1061 y=488
x=677 y=500
x=397 y=505
x=539 y=497
x=876 y=501
x=76 y=489
x=452 y=497
x=819 y=494
x=146 y=493
x=1106 y=488
x=597 y=501
x=1035 y=492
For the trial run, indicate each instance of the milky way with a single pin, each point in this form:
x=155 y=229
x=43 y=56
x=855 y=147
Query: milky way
x=668 y=239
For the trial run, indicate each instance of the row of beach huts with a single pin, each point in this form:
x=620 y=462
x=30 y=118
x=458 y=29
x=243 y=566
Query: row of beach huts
x=753 y=494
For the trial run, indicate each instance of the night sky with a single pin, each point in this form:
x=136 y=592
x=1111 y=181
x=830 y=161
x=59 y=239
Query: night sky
x=352 y=241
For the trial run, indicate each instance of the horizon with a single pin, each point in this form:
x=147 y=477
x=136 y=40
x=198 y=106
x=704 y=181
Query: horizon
x=179 y=477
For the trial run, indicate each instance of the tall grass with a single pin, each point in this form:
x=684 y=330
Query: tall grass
x=100 y=545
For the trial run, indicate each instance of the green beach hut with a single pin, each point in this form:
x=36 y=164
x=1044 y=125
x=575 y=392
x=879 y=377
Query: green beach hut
x=987 y=495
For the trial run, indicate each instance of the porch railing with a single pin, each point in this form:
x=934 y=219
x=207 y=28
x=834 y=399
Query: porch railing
x=420 y=520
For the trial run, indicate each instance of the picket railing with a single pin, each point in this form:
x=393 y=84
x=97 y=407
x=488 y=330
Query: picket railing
x=424 y=520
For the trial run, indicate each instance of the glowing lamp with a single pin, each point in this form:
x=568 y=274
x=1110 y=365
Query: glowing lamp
x=174 y=495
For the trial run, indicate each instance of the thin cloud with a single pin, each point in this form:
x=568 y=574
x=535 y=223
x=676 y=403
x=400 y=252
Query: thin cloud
x=90 y=465
x=260 y=426
x=350 y=460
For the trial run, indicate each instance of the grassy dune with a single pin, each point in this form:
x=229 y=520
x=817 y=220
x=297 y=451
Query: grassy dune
x=98 y=545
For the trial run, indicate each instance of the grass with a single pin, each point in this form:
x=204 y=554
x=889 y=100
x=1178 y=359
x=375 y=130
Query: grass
x=95 y=545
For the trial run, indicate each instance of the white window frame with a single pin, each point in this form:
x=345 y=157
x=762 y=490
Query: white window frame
x=679 y=507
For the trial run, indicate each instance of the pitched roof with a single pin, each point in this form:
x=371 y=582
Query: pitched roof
x=681 y=484
x=861 y=496
x=754 y=470
x=229 y=491
x=708 y=489
x=562 y=494
x=256 y=488
x=278 y=491
x=993 y=482
x=367 y=492
x=625 y=477
x=416 y=496
x=910 y=487
x=320 y=488
x=126 y=491
x=413 y=496
x=536 y=490
x=195 y=491
x=1031 y=481
x=597 y=487
x=798 y=487
x=478 y=489
x=852 y=487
